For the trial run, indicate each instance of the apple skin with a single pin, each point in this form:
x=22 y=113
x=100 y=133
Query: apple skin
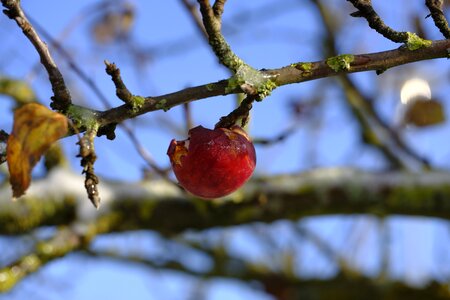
x=213 y=163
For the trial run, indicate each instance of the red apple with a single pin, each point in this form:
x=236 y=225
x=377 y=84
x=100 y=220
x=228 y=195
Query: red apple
x=213 y=163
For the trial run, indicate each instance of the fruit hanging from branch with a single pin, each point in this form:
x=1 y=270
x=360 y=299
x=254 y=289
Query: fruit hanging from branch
x=213 y=163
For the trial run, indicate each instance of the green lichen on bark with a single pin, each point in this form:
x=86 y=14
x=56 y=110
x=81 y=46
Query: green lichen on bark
x=29 y=213
x=136 y=103
x=9 y=277
x=256 y=82
x=420 y=197
x=225 y=54
x=305 y=67
x=209 y=87
x=340 y=62
x=233 y=83
x=82 y=117
x=162 y=104
x=414 y=42
x=266 y=89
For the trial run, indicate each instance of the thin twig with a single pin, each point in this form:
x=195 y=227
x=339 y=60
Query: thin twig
x=218 y=7
x=322 y=246
x=61 y=99
x=366 y=11
x=435 y=7
x=278 y=138
x=196 y=17
x=145 y=155
x=122 y=91
x=241 y=112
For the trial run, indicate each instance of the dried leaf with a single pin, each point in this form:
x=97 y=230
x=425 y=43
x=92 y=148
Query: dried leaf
x=424 y=112
x=35 y=129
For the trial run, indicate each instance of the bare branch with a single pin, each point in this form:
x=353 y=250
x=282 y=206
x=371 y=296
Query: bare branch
x=122 y=91
x=61 y=98
x=280 y=137
x=366 y=11
x=435 y=7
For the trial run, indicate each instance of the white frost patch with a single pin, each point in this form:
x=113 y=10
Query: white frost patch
x=63 y=182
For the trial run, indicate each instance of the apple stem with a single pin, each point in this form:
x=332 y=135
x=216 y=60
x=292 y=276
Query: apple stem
x=241 y=112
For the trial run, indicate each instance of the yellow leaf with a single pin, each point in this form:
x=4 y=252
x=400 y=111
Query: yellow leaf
x=35 y=129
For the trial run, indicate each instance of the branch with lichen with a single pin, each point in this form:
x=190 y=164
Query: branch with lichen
x=436 y=12
x=132 y=206
x=61 y=98
x=365 y=10
x=213 y=23
x=122 y=92
x=292 y=197
x=249 y=80
x=246 y=79
x=293 y=73
x=66 y=240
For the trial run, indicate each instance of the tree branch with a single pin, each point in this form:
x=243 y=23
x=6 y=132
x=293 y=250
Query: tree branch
x=366 y=11
x=212 y=22
x=163 y=208
x=286 y=286
x=65 y=241
x=61 y=98
x=435 y=7
x=294 y=73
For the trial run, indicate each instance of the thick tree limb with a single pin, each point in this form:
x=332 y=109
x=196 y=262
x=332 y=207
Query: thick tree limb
x=161 y=207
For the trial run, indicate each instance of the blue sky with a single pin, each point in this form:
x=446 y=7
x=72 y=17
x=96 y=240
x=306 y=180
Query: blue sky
x=272 y=40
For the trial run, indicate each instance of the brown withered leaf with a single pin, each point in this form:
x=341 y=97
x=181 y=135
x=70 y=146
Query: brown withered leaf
x=35 y=129
x=424 y=112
